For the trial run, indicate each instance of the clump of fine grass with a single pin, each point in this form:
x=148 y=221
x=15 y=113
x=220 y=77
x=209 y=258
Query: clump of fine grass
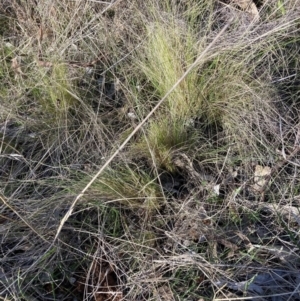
x=179 y=214
x=134 y=189
x=169 y=51
x=170 y=48
x=59 y=97
x=163 y=140
x=222 y=94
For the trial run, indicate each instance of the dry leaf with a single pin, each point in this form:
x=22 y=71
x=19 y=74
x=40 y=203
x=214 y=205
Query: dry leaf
x=249 y=7
x=131 y=115
x=217 y=189
x=16 y=66
x=260 y=174
x=289 y=213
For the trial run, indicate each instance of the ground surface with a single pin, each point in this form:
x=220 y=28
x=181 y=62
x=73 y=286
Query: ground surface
x=118 y=181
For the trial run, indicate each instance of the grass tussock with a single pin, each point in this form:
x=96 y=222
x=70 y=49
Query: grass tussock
x=202 y=203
